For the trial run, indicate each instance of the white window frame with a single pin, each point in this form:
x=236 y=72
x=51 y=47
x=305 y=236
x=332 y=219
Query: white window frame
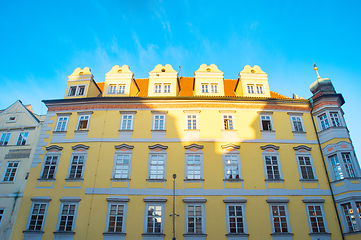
x=81 y=115
x=236 y=202
x=314 y=205
x=2 y=213
x=357 y=219
x=159 y=114
x=265 y=115
x=293 y=119
x=5 y=138
x=226 y=120
x=11 y=120
x=271 y=151
x=52 y=155
x=67 y=201
x=187 y=166
x=79 y=151
x=117 y=90
x=127 y=124
x=302 y=152
x=328 y=118
x=151 y=164
x=254 y=88
x=194 y=202
x=277 y=202
x=11 y=168
x=154 y=201
x=77 y=90
x=162 y=88
x=123 y=153
x=24 y=137
x=233 y=154
x=116 y=201
x=192 y=123
x=210 y=87
x=61 y=121
x=42 y=201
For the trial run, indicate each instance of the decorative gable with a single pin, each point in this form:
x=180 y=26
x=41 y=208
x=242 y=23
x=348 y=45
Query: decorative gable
x=208 y=81
x=252 y=82
x=163 y=81
x=119 y=82
x=81 y=84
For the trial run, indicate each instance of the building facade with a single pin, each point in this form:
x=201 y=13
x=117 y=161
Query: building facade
x=246 y=162
x=19 y=134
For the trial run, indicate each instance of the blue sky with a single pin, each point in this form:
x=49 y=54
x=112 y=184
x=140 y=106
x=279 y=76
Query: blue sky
x=42 y=42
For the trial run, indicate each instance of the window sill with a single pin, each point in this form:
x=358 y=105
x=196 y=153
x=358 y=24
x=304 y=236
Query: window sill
x=79 y=131
x=320 y=233
x=115 y=233
x=303 y=132
x=156 y=180
x=268 y=130
x=74 y=179
x=346 y=178
x=236 y=234
x=194 y=180
x=230 y=130
x=46 y=179
x=279 y=234
x=351 y=233
x=7 y=182
x=274 y=180
x=120 y=179
x=59 y=132
x=154 y=234
x=125 y=130
x=33 y=231
x=195 y=235
x=64 y=233
x=233 y=180
x=158 y=130
x=191 y=130
x=308 y=180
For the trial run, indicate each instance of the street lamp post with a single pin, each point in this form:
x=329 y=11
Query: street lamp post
x=173 y=215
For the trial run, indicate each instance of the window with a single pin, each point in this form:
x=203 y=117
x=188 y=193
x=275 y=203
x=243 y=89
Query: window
x=259 y=89
x=154 y=215
x=279 y=218
x=162 y=87
x=266 y=122
x=348 y=165
x=316 y=218
x=167 y=87
x=157 y=88
x=76 y=90
x=77 y=165
x=336 y=167
x=194 y=216
x=305 y=167
x=209 y=87
x=191 y=121
x=272 y=168
x=10 y=172
x=297 y=124
x=11 y=119
x=228 y=122
x=158 y=121
x=4 y=141
x=2 y=212
x=127 y=121
x=334 y=119
x=194 y=166
x=255 y=89
x=83 y=122
x=67 y=214
x=350 y=217
x=37 y=216
x=205 y=88
x=23 y=137
x=115 y=219
x=214 y=88
x=116 y=89
x=231 y=165
x=50 y=166
x=235 y=219
x=250 y=88
x=62 y=123
x=122 y=166
x=324 y=121
x=157 y=166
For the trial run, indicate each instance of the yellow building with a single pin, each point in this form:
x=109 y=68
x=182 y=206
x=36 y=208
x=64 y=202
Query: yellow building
x=19 y=134
x=246 y=162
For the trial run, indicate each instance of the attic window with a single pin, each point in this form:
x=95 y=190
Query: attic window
x=208 y=69
x=81 y=73
x=253 y=71
x=120 y=70
x=12 y=119
x=163 y=70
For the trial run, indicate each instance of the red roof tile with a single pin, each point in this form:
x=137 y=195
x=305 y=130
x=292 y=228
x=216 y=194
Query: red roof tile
x=229 y=87
x=143 y=87
x=186 y=85
x=101 y=86
x=277 y=95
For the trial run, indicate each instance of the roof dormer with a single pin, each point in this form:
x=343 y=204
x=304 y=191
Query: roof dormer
x=119 y=82
x=81 y=84
x=252 y=82
x=163 y=81
x=208 y=81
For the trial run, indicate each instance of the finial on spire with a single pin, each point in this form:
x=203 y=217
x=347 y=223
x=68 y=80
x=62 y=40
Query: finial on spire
x=316 y=69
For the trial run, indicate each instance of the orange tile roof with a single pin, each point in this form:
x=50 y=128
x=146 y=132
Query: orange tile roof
x=229 y=87
x=277 y=95
x=143 y=86
x=186 y=85
x=101 y=86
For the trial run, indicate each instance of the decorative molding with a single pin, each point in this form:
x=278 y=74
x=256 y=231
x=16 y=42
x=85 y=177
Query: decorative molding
x=264 y=112
x=313 y=200
x=70 y=199
x=159 y=112
x=193 y=145
x=80 y=146
x=154 y=199
x=54 y=147
x=85 y=113
x=302 y=147
x=269 y=146
x=41 y=199
x=234 y=200
x=194 y=200
x=277 y=200
x=295 y=113
x=230 y=145
x=158 y=146
x=117 y=199
x=127 y=112
x=124 y=146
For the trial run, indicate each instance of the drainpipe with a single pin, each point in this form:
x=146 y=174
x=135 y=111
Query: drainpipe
x=328 y=176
